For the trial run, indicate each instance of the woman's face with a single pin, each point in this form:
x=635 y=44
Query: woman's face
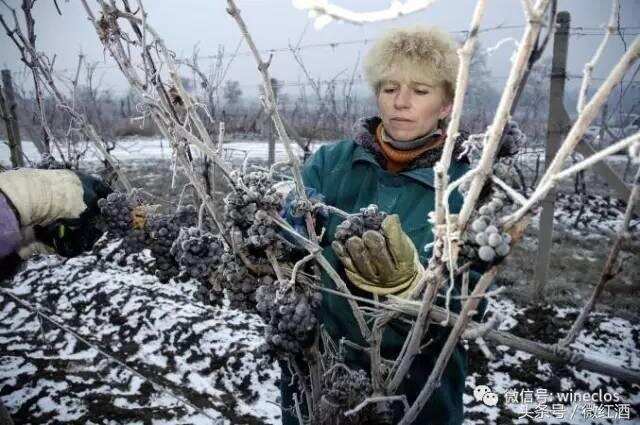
x=411 y=109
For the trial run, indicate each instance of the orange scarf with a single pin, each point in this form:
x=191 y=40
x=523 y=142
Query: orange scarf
x=398 y=160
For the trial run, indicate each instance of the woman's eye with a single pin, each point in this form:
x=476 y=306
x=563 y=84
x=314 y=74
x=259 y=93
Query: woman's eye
x=421 y=92
x=389 y=89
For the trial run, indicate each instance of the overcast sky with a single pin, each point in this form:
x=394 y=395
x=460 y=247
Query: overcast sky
x=276 y=23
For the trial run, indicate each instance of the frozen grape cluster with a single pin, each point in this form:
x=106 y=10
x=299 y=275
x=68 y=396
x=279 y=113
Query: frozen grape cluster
x=512 y=139
x=291 y=318
x=262 y=233
x=239 y=284
x=197 y=252
x=484 y=239
x=116 y=211
x=344 y=389
x=369 y=218
x=163 y=229
x=255 y=193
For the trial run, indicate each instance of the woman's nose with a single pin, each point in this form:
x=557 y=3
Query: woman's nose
x=402 y=99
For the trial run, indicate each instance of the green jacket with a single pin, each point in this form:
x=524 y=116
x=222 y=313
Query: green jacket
x=350 y=178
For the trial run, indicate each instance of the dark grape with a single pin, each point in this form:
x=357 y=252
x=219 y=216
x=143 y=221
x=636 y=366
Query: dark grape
x=254 y=193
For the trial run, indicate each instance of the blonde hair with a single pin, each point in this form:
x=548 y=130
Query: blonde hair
x=422 y=54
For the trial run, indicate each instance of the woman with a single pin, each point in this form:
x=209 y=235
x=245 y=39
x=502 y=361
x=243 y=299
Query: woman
x=390 y=163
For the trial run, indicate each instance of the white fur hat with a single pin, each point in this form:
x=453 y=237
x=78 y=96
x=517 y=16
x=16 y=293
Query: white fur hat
x=423 y=54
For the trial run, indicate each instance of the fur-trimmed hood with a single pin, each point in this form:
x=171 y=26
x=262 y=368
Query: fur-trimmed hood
x=364 y=131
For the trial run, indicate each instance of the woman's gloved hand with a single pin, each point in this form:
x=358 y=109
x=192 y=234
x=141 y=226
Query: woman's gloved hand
x=381 y=262
x=292 y=212
x=54 y=207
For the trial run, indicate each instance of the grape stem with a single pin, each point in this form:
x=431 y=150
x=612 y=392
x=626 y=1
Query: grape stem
x=378 y=399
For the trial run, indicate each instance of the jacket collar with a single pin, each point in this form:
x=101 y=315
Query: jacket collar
x=421 y=175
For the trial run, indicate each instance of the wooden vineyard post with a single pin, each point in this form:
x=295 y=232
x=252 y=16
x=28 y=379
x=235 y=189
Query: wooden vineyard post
x=557 y=127
x=272 y=144
x=8 y=109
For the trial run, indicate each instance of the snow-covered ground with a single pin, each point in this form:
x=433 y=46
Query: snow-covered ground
x=185 y=349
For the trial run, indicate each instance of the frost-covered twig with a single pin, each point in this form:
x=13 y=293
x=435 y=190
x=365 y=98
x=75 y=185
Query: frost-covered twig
x=607 y=272
x=465 y=54
x=380 y=399
x=511 y=192
x=452 y=340
x=417 y=330
x=297 y=266
x=496 y=128
x=442 y=217
x=577 y=131
x=272 y=110
x=480 y=331
x=598 y=156
x=326 y=12
x=589 y=66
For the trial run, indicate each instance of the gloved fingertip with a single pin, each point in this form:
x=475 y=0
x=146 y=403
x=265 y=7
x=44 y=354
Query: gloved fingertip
x=373 y=239
x=390 y=220
x=354 y=244
x=338 y=248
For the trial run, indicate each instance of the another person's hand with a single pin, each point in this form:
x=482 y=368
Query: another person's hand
x=294 y=215
x=57 y=208
x=381 y=262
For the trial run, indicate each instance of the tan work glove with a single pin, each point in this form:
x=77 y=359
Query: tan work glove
x=55 y=208
x=43 y=196
x=381 y=262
